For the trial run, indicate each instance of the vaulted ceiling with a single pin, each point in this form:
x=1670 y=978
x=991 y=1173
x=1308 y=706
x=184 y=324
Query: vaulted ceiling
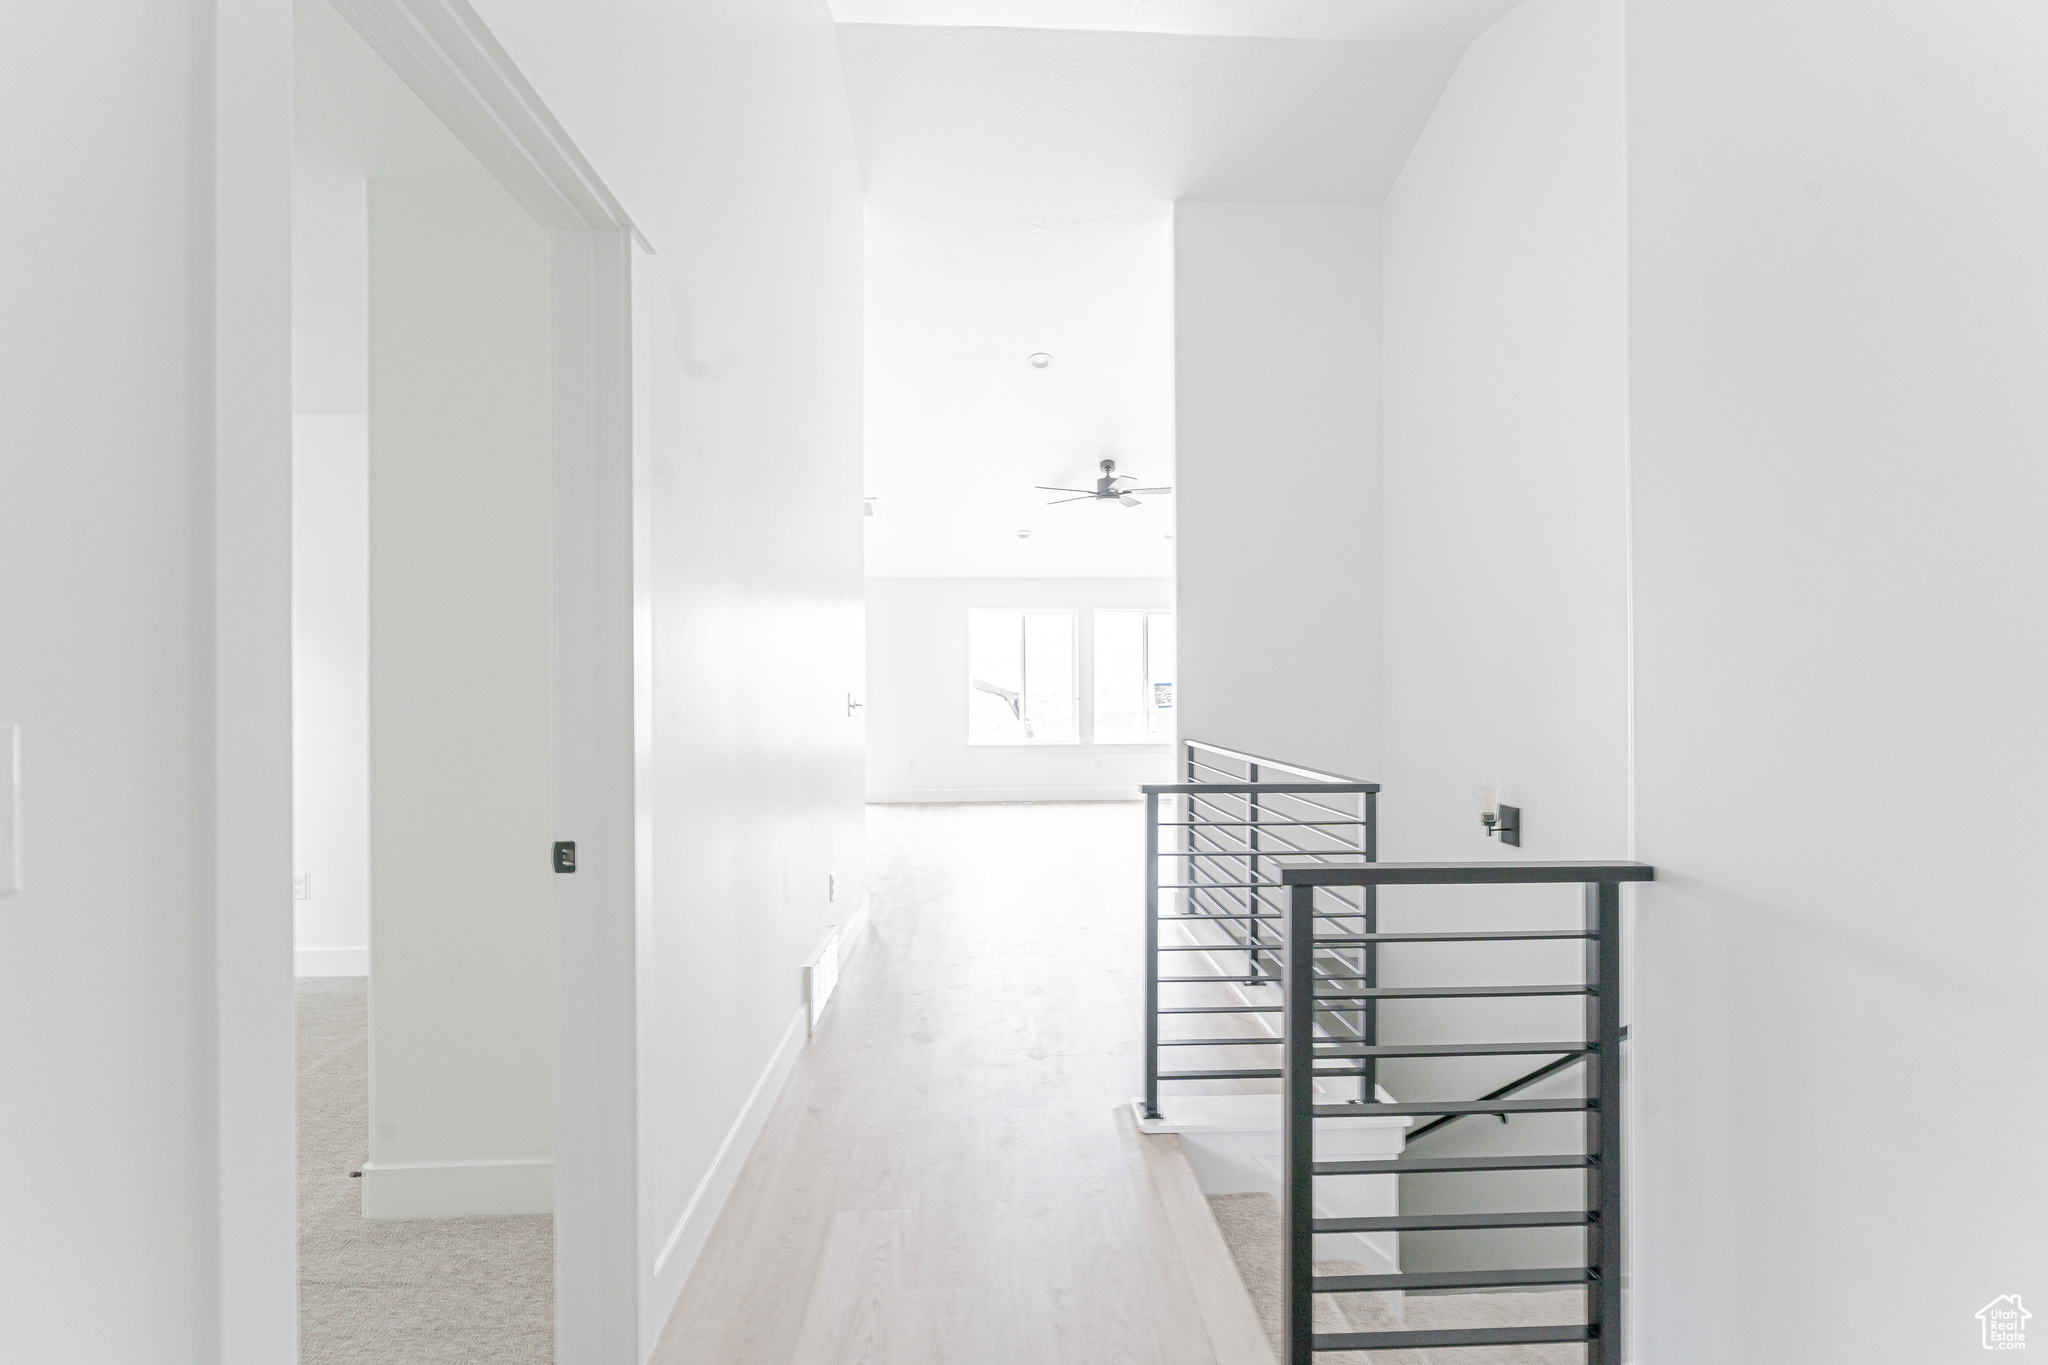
x=1021 y=159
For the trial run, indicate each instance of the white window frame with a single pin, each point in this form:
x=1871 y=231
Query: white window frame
x=1144 y=615
x=1084 y=710
x=1082 y=682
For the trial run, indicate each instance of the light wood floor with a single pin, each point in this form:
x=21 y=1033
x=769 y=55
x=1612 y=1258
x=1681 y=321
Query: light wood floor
x=944 y=1177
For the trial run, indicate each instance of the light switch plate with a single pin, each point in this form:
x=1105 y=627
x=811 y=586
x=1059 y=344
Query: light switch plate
x=10 y=809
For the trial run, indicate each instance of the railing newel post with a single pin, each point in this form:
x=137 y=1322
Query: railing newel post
x=1298 y=1022
x=1152 y=954
x=1603 y=1124
x=1253 y=902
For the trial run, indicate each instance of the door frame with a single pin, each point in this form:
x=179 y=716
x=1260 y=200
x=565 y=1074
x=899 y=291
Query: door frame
x=445 y=54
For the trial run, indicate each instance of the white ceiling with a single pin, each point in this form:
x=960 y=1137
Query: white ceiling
x=960 y=426
x=1020 y=178
x=1038 y=125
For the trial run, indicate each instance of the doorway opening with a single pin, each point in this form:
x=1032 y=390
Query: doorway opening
x=463 y=703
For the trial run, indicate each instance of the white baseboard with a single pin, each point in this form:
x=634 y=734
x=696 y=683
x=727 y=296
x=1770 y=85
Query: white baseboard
x=330 y=962
x=679 y=1253
x=968 y=795
x=458 y=1189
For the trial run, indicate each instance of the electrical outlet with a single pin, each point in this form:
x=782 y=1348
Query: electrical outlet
x=302 y=886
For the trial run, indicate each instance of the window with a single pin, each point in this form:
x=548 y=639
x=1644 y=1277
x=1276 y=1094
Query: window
x=1133 y=677
x=1021 y=678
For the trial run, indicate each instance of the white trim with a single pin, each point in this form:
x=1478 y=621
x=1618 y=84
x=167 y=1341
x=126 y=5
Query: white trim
x=457 y=1189
x=330 y=961
x=686 y=1242
x=442 y=51
x=597 y=573
x=1219 y=1290
x=448 y=56
x=949 y=795
x=245 y=724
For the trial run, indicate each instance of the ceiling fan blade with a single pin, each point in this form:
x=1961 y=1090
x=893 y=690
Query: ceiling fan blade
x=1145 y=490
x=1085 y=497
x=1048 y=488
x=1129 y=501
x=1124 y=478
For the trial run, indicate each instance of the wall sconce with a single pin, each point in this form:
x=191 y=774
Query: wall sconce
x=1500 y=819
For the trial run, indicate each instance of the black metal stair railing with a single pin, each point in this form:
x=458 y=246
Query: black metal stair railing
x=1224 y=831
x=1308 y=1050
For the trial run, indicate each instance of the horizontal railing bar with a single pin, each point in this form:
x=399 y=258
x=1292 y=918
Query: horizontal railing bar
x=1242 y=853
x=1455 y=992
x=1246 y=854
x=1447 y=1279
x=1333 y=1049
x=1252 y=1074
x=1453 y=1164
x=1200 y=792
x=1449 y=1336
x=1297 y=851
x=1329 y=1111
x=1260 y=1073
x=1261 y=886
x=1259 y=789
x=1452 y=1049
x=1454 y=1222
x=1466 y=874
x=1359 y=940
x=1347 y=909
x=1257 y=824
x=1244 y=782
x=1220 y=1009
x=1217 y=885
x=1193 y=919
x=1206 y=747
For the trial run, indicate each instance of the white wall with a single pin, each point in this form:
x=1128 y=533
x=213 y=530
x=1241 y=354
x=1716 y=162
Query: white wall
x=331 y=692
x=461 y=693
x=147 y=1128
x=1839 y=492
x=917 y=696
x=1277 y=396
x=1506 y=614
x=330 y=568
x=721 y=126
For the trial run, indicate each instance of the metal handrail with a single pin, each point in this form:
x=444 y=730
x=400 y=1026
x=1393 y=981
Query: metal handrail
x=1227 y=858
x=1601 y=1159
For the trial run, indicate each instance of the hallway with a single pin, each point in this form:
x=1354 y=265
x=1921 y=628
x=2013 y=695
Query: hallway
x=945 y=1177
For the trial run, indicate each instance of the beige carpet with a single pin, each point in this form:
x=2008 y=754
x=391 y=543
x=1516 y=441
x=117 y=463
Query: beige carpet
x=395 y=1293
x=1251 y=1227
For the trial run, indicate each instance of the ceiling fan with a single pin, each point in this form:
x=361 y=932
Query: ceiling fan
x=1111 y=487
